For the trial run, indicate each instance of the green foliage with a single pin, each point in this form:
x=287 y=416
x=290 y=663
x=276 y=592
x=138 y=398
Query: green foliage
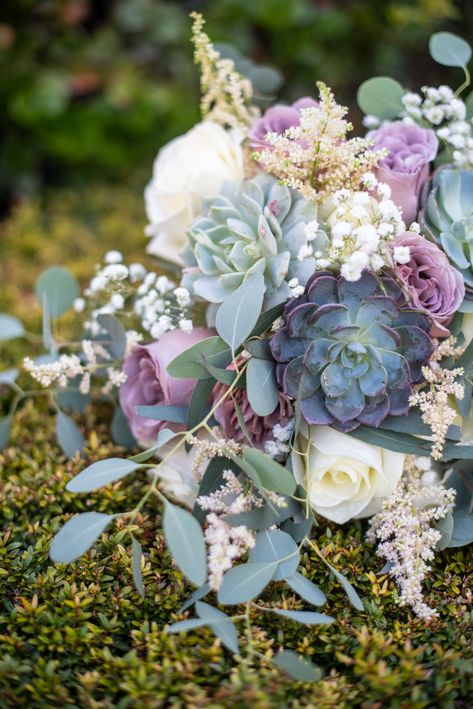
x=81 y=634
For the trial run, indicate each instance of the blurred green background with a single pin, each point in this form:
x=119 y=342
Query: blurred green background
x=90 y=89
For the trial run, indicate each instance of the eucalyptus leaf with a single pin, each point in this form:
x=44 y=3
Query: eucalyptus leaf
x=185 y=541
x=60 y=287
x=306 y=589
x=462 y=532
x=297 y=666
x=77 y=536
x=381 y=96
x=120 y=430
x=305 y=617
x=244 y=582
x=266 y=319
x=225 y=376
x=392 y=440
x=116 y=331
x=10 y=327
x=354 y=598
x=259 y=349
x=298 y=530
x=193 y=362
x=199 y=405
x=69 y=435
x=173 y=414
x=448 y=49
x=262 y=389
x=466 y=360
x=101 y=473
x=71 y=398
x=48 y=340
x=137 y=556
x=211 y=480
x=197 y=595
x=239 y=312
x=457 y=452
x=263 y=517
x=271 y=474
x=8 y=376
x=220 y=624
x=464 y=404
x=445 y=527
x=278 y=547
x=190 y=624
x=5 y=427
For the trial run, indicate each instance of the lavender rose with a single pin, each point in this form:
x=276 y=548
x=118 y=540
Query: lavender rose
x=259 y=427
x=433 y=284
x=277 y=119
x=148 y=382
x=406 y=167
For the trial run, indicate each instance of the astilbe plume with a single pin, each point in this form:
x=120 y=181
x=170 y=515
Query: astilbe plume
x=349 y=353
x=315 y=157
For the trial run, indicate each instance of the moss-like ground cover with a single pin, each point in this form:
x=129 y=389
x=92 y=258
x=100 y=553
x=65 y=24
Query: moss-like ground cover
x=81 y=636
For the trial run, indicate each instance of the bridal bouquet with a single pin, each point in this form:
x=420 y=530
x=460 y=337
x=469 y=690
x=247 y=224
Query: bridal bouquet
x=311 y=358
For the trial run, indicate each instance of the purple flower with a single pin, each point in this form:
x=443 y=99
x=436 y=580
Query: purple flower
x=434 y=286
x=406 y=167
x=148 y=382
x=277 y=119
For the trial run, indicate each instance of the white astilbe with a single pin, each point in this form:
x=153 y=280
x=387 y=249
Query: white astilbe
x=226 y=543
x=405 y=534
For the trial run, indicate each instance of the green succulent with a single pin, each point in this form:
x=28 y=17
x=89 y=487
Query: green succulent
x=258 y=227
x=349 y=352
x=448 y=220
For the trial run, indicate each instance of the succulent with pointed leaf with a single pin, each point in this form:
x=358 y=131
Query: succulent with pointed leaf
x=349 y=352
x=448 y=219
x=259 y=227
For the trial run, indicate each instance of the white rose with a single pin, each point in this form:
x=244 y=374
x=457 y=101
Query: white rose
x=187 y=170
x=344 y=477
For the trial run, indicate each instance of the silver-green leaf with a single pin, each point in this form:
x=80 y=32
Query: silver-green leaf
x=306 y=589
x=60 y=287
x=278 y=547
x=381 y=96
x=10 y=327
x=261 y=387
x=244 y=582
x=77 y=536
x=297 y=666
x=185 y=541
x=101 y=473
x=448 y=49
x=238 y=314
x=69 y=435
x=220 y=624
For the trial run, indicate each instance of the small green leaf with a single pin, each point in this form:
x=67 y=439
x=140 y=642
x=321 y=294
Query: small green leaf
x=77 y=536
x=381 y=97
x=185 y=541
x=262 y=390
x=220 y=623
x=275 y=546
x=297 y=666
x=305 y=617
x=354 y=598
x=60 y=287
x=10 y=327
x=306 y=589
x=449 y=50
x=271 y=474
x=193 y=363
x=117 y=333
x=69 y=435
x=101 y=473
x=173 y=414
x=244 y=582
x=137 y=556
x=5 y=426
x=238 y=314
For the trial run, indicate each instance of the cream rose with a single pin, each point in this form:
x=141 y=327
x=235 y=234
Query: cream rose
x=344 y=477
x=187 y=170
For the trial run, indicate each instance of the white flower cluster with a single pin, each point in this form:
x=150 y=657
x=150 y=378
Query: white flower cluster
x=447 y=115
x=279 y=447
x=226 y=543
x=61 y=370
x=361 y=227
x=162 y=306
x=404 y=530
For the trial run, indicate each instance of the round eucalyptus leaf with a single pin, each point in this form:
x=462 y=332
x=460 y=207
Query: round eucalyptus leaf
x=448 y=49
x=59 y=287
x=381 y=96
x=276 y=546
x=10 y=327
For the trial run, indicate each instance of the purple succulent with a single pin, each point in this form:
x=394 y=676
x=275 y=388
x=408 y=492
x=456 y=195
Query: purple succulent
x=349 y=352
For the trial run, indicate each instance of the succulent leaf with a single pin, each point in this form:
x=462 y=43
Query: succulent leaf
x=349 y=352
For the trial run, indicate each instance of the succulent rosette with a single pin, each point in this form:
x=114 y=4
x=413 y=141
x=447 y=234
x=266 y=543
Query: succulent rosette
x=448 y=220
x=349 y=352
x=260 y=227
